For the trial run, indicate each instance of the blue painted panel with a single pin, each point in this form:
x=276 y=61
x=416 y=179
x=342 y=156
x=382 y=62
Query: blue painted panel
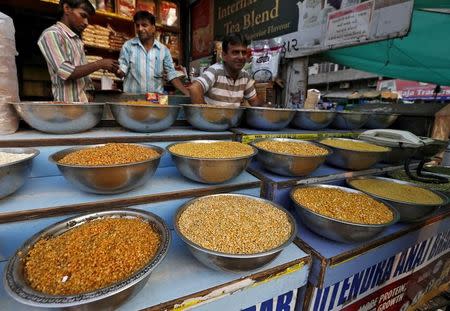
x=180 y=274
x=13 y=235
x=111 y=132
x=341 y=271
x=47 y=192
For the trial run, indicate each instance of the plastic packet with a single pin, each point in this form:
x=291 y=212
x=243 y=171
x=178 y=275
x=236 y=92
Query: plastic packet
x=266 y=56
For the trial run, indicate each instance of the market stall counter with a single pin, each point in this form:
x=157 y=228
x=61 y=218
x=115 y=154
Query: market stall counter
x=180 y=280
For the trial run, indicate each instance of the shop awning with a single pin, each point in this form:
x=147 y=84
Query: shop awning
x=421 y=56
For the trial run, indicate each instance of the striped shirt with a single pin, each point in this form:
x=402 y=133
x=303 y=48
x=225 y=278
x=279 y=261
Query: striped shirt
x=144 y=69
x=63 y=50
x=222 y=90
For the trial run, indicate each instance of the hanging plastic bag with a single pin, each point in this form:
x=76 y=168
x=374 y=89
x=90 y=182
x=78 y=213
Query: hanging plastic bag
x=9 y=86
x=266 y=56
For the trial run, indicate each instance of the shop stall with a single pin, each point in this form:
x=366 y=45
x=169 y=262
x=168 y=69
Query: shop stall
x=180 y=281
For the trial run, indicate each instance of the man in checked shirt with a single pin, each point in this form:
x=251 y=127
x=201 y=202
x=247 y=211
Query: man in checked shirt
x=63 y=50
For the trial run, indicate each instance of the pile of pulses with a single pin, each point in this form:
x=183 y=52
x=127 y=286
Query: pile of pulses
x=6 y=157
x=353 y=145
x=338 y=204
x=214 y=150
x=91 y=256
x=109 y=154
x=292 y=148
x=397 y=192
x=234 y=225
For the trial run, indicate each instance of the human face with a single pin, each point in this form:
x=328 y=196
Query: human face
x=235 y=58
x=144 y=29
x=77 y=18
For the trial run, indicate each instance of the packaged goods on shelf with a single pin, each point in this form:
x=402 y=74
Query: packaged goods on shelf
x=100 y=73
x=146 y=5
x=96 y=35
x=126 y=7
x=169 y=13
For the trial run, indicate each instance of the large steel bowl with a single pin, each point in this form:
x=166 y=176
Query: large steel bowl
x=60 y=118
x=347 y=120
x=107 y=298
x=379 y=120
x=14 y=174
x=352 y=159
x=233 y=262
x=213 y=118
x=288 y=164
x=268 y=118
x=209 y=170
x=107 y=179
x=144 y=118
x=409 y=212
x=313 y=120
x=339 y=230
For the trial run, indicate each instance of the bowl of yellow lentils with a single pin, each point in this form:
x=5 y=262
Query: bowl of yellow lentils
x=290 y=157
x=108 y=168
x=211 y=161
x=234 y=232
x=342 y=214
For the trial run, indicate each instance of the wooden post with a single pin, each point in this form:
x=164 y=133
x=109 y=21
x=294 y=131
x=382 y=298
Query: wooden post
x=296 y=77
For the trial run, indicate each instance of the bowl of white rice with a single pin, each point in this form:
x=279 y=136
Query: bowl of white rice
x=15 y=167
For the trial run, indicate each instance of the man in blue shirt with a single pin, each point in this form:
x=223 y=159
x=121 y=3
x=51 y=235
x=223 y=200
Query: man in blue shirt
x=143 y=60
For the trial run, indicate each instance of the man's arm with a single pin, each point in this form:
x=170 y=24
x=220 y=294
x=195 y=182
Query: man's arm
x=124 y=61
x=197 y=95
x=180 y=86
x=255 y=101
x=52 y=46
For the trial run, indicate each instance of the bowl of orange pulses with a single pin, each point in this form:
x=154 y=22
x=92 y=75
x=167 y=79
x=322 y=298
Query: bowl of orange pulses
x=211 y=161
x=108 y=168
x=89 y=262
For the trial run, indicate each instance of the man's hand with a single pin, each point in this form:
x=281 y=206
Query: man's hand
x=111 y=65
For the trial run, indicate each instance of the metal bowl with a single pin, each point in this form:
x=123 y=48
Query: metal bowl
x=60 y=118
x=107 y=179
x=144 y=118
x=209 y=170
x=313 y=120
x=213 y=118
x=380 y=120
x=233 y=262
x=352 y=159
x=13 y=175
x=409 y=212
x=288 y=164
x=268 y=118
x=107 y=298
x=339 y=230
x=346 y=120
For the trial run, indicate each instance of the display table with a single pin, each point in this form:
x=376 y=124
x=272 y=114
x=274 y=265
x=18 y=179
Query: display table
x=180 y=280
x=246 y=135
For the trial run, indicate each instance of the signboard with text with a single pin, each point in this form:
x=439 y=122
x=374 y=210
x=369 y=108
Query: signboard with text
x=400 y=282
x=330 y=24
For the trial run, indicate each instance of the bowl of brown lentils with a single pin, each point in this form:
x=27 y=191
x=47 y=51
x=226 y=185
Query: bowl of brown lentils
x=108 y=168
x=234 y=232
x=89 y=262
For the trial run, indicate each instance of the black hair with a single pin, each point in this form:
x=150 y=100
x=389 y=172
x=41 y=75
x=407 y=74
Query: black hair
x=140 y=15
x=74 y=4
x=234 y=38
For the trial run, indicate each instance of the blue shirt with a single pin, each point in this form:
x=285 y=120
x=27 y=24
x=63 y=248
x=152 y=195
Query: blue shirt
x=144 y=70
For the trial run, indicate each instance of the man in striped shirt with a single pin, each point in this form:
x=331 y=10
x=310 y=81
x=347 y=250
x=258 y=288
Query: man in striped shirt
x=63 y=50
x=143 y=60
x=227 y=84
